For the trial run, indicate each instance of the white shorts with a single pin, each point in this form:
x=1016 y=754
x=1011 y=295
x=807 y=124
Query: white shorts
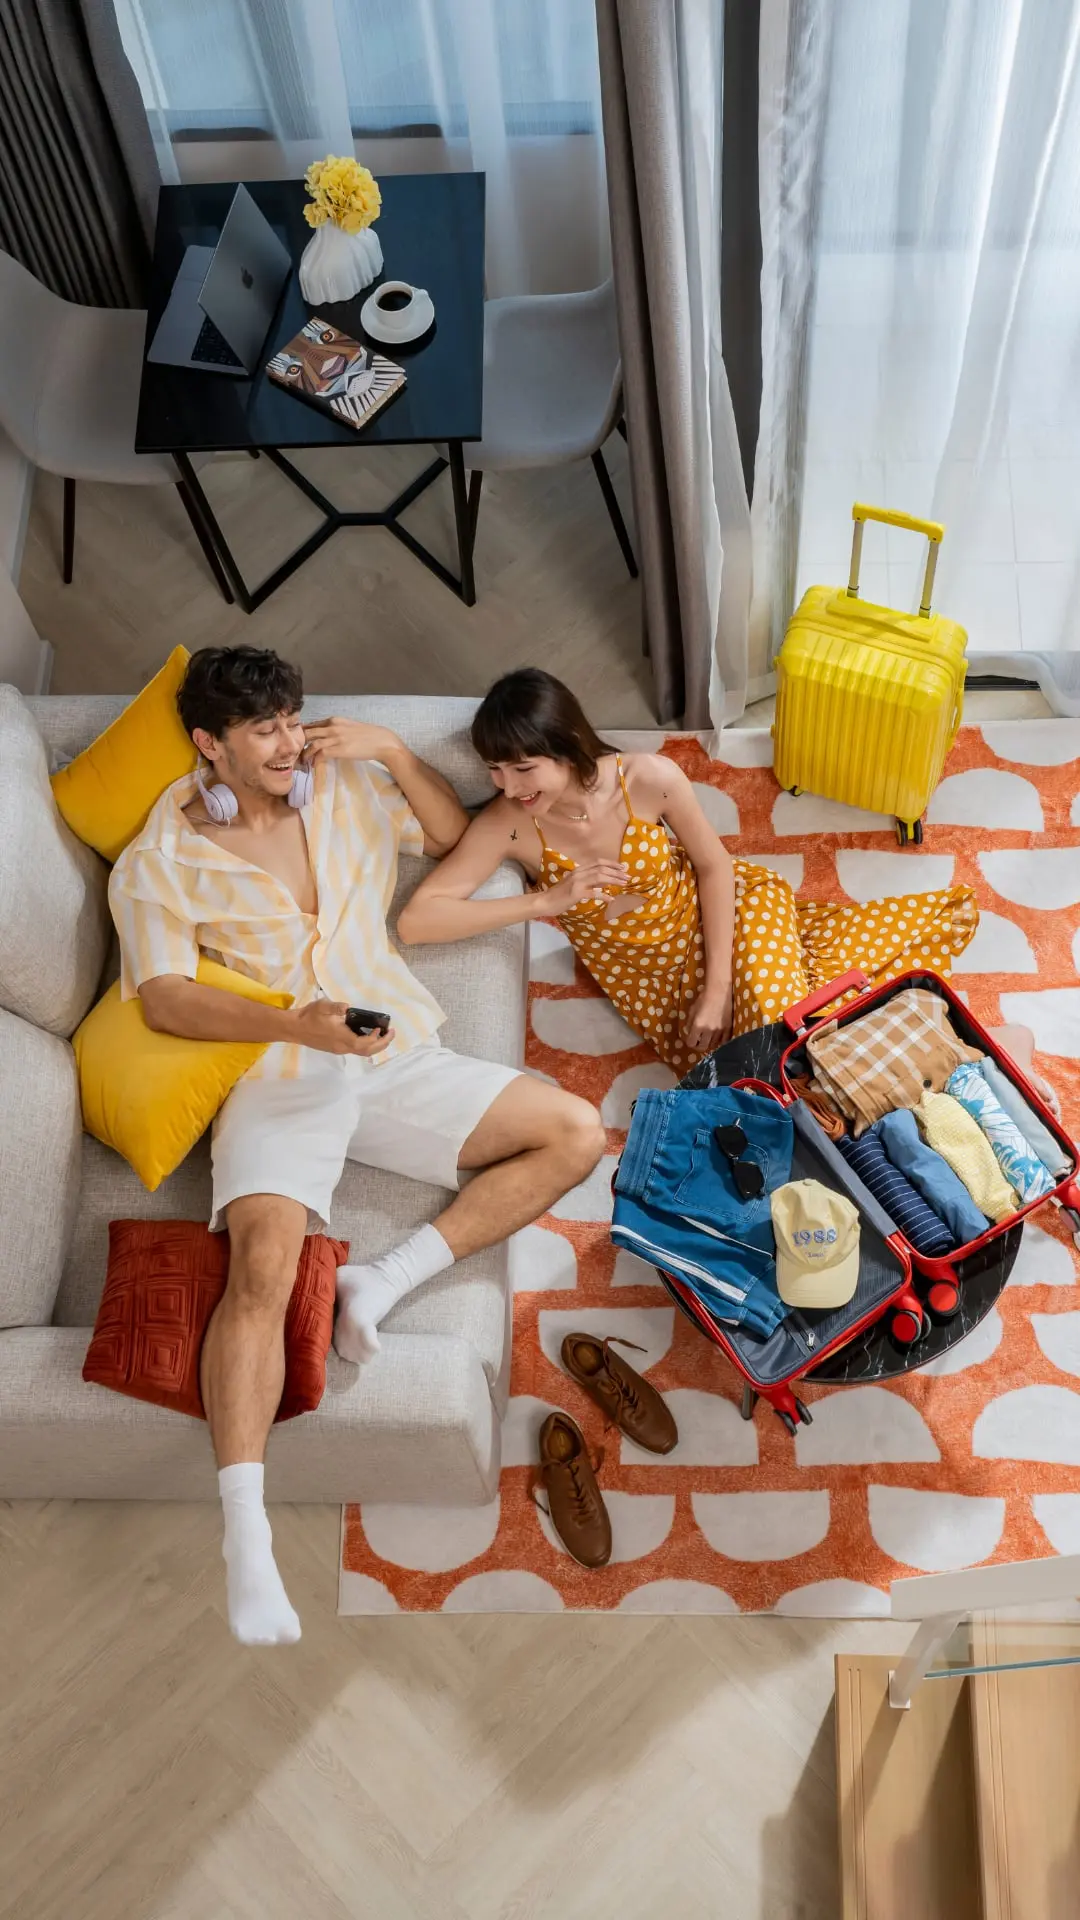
x=411 y=1115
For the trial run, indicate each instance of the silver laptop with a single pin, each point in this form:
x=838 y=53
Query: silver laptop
x=223 y=297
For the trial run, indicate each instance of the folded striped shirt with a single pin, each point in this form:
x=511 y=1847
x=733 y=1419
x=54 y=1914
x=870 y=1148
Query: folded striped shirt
x=918 y=1222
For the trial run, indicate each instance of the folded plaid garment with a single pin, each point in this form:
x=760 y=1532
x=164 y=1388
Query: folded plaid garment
x=889 y=1057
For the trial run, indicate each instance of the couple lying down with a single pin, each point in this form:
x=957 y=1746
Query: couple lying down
x=690 y=945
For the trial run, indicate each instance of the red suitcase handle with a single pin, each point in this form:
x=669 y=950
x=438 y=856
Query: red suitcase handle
x=796 y=1016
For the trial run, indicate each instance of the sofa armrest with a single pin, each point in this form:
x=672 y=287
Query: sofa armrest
x=40 y=1159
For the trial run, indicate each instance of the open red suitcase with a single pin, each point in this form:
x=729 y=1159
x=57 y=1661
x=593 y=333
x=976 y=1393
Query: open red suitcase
x=894 y=1279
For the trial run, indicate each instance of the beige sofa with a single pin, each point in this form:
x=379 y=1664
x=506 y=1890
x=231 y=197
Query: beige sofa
x=422 y=1422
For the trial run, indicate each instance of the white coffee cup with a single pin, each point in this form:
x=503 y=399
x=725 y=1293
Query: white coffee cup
x=401 y=319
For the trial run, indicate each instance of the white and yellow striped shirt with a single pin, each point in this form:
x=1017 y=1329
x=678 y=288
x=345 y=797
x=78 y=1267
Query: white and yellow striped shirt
x=176 y=894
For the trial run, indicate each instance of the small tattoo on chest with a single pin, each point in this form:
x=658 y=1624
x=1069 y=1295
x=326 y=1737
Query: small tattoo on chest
x=513 y=834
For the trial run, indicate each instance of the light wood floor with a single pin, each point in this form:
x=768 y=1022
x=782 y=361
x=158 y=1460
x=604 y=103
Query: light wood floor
x=362 y=616
x=440 y=1768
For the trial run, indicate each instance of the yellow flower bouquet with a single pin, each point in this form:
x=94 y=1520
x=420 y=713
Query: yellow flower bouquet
x=342 y=191
x=343 y=253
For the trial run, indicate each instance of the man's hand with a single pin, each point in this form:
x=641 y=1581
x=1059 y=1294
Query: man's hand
x=321 y=1024
x=349 y=740
x=708 y=1023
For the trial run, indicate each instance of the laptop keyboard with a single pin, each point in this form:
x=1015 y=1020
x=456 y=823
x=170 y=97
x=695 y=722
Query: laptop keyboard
x=213 y=347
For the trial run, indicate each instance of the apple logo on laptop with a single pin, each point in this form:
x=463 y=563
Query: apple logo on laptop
x=246 y=277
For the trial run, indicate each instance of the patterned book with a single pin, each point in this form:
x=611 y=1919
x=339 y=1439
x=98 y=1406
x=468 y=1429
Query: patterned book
x=331 y=370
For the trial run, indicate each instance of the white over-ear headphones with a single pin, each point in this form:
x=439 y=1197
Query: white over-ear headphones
x=220 y=800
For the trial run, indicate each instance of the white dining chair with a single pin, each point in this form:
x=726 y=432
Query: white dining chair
x=69 y=397
x=552 y=391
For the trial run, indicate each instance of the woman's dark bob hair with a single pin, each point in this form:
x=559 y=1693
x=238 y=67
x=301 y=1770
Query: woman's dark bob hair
x=529 y=715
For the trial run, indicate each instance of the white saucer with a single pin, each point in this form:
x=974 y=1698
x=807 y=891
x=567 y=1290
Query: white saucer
x=394 y=326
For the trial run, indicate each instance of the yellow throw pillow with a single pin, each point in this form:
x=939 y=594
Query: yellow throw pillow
x=150 y=1095
x=106 y=794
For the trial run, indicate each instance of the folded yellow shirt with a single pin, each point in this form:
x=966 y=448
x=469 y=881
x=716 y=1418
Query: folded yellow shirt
x=947 y=1127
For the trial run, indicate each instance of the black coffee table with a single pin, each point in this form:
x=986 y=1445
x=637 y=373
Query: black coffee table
x=432 y=234
x=871 y=1355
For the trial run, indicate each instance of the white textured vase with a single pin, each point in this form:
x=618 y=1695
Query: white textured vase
x=334 y=265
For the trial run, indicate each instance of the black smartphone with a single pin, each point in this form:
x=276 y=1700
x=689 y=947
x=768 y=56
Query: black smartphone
x=363 y=1021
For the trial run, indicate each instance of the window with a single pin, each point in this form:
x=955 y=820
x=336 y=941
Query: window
x=232 y=66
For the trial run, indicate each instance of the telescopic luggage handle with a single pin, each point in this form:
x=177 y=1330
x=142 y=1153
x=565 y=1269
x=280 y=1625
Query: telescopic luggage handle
x=797 y=1017
x=933 y=530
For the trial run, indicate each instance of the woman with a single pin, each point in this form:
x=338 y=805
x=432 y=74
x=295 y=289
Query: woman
x=688 y=944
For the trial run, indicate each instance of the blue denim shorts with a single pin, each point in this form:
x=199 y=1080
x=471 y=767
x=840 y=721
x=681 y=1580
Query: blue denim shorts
x=677 y=1204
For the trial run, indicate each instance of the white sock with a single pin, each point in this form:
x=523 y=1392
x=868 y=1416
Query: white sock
x=259 y=1610
x=366 y=1294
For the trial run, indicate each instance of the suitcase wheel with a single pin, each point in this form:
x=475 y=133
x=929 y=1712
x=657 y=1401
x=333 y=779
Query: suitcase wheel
x=906 y=1327
x=943 y=1301
x=787 y=1419
x=794 y=792
x=804 y=1413
x=909 y=832
x=748 y=1403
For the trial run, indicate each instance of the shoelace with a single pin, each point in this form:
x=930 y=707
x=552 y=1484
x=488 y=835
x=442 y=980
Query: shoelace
x=581 y=1499
x=626 y=1387
x=580 y=1495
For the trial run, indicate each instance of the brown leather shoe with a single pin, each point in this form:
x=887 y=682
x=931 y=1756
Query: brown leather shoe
x=575 y=1503
x=630 y=1402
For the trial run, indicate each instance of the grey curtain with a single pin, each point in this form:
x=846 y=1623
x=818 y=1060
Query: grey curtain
x=661 y=64
x=78 y=176
x=794 y=83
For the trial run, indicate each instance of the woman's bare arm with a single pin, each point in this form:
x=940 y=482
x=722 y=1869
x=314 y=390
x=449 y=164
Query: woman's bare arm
x=442 y=908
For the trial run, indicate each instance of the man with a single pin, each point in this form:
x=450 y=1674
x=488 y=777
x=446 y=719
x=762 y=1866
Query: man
x=295 y=896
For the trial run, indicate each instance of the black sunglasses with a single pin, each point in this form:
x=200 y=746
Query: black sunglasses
x=747 y=1175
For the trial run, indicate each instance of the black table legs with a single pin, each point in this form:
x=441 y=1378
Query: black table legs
x=209 y=530
x=463 y=521
x=205 y=541
x=210 y=536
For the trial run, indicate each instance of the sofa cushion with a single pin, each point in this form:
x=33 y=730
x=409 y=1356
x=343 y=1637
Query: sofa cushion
x=105 y=794
x=54 y=914
x=150 y=1095
x=436 y=729
x=416 y=1425
x=480 y=984
x=163 y=1283
x=39 y=1169
x=109 y=1190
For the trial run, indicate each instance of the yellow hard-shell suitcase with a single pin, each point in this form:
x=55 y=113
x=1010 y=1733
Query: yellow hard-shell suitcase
x=869 y=699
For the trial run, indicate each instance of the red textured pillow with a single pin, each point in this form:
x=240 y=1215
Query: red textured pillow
x=164 y=1279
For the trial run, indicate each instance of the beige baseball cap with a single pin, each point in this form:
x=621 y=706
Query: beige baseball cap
x=817 y=1245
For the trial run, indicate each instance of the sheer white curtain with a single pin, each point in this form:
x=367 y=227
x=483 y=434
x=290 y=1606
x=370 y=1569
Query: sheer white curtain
x=921 y=181
x=510 y=87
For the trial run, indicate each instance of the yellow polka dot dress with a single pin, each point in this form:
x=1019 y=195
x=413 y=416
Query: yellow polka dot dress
x=650 y=962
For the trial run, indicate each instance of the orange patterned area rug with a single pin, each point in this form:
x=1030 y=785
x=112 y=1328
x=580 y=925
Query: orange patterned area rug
x=974 y=1459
